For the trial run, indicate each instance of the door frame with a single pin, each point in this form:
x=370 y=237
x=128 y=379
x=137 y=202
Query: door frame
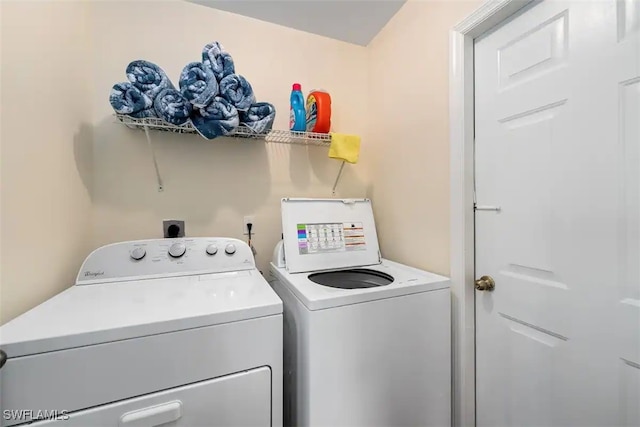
x=490 y=14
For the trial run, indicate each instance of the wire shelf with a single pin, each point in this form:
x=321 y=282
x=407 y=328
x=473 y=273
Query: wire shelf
x=242 y=132
x=276 y=136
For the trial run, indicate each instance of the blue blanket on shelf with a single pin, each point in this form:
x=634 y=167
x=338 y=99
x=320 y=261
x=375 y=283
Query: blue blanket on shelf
x=148 y=78
x=127 y=99
x=238 y=91
x=198 y=84
x=216 y=59
x=172 y=107
x=217 y=119
x=259 y=117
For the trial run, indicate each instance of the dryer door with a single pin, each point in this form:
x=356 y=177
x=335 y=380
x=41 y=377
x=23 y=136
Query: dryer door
x=242 y=399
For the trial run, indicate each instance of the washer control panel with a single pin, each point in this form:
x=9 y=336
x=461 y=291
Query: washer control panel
x=165 y=258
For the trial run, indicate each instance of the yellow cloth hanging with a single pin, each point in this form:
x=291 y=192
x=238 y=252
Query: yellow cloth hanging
x=345 y=147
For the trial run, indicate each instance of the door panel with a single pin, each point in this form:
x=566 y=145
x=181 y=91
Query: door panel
x=534 y=52
x=557 y=148
x=628 y=18
x=629 y=294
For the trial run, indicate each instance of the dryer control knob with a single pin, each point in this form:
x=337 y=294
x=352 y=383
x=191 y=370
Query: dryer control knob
x=212 y=249
x=177 y=250
x=138 y=253
x=230 y=249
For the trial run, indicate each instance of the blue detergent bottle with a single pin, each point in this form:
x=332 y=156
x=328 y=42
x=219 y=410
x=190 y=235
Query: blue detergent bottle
x=297 y=115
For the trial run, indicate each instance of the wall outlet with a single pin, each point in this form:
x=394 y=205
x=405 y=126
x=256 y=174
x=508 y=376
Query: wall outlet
x=249 y=219
x=173 y=228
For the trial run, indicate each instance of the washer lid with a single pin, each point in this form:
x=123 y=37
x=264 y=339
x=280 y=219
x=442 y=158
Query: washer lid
x=322 y=234
x=88 y=315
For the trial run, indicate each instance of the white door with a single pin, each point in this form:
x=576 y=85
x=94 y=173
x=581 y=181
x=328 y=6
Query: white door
x=558 y=150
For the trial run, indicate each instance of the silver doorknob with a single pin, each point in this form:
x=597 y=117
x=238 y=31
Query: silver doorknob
x=485 y=283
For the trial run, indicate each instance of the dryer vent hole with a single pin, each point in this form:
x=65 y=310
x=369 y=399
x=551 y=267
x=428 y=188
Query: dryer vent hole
x=173 y=231
x=173 y=228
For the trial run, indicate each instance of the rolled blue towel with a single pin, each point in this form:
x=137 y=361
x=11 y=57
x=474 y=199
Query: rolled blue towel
x=127 y=99
x=218 y=119
x=148 y=77
x=238 y=91
x=198 y=84
x=216 y=59
x=172 y=107
x=259 y=117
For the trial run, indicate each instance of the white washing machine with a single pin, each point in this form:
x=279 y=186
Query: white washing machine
x=367 y=340
x=180 y=332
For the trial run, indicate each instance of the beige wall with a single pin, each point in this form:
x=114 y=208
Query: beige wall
x=73 y=180
x=212 y=185
x=45 y=162
x=409 y=132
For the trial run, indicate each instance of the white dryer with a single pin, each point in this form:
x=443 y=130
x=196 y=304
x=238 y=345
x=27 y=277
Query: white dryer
x=180 y=332
x=367 y=340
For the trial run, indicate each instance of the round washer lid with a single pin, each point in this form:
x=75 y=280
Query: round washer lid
x=357 y=278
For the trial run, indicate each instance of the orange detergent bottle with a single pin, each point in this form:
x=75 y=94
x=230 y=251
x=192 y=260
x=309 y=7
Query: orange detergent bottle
x=318 y=111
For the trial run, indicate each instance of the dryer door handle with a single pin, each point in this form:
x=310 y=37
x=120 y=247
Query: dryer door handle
x=153 y=416
x=3 y=358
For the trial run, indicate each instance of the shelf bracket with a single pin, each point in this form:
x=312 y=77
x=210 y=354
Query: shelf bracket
x=155 y=162
x=335 y=184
